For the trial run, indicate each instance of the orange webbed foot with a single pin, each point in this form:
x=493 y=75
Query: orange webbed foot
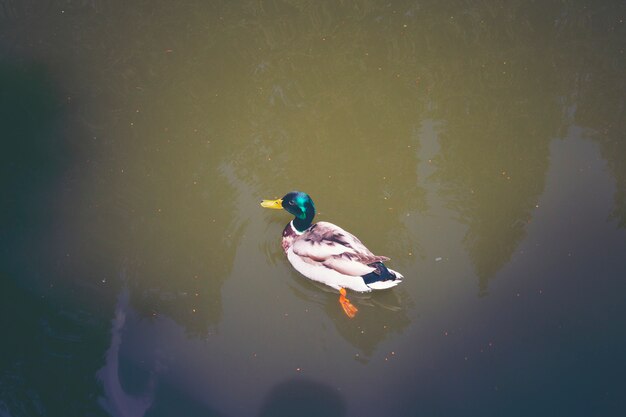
x=347 y=306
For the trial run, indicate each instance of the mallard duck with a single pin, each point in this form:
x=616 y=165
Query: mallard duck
x=328 y=254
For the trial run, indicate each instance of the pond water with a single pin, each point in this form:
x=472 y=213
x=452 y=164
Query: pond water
x=479 y=146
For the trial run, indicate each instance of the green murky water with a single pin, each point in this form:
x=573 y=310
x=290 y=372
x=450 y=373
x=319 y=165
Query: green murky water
x=479 y=145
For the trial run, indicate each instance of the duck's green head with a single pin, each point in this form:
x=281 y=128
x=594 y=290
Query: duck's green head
x=297 y=203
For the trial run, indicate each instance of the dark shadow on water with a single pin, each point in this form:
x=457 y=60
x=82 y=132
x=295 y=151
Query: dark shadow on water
x=303 y=398
x=48 y=355
x=34 y=157
x=51 y=343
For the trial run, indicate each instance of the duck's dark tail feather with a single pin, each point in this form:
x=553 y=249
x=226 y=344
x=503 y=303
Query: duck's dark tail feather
x=381 y=273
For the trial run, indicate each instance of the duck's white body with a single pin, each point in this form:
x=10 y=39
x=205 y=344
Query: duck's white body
x=328 y=254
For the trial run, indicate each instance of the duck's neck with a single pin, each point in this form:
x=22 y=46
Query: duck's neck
x=304 y=222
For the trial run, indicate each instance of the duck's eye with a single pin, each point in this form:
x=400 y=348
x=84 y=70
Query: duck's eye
x=292 y=203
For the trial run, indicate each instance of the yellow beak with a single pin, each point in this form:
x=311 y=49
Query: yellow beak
x=272 y=204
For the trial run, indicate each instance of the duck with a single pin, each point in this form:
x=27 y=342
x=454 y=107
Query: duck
x=328 y=254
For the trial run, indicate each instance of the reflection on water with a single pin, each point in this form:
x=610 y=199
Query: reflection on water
x=139 y=137
x=494 y=150
x=116 y=401
x=493 y=159
x=140 y=389
x=381 y=314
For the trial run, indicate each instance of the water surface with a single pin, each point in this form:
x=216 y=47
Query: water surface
x=480 y=146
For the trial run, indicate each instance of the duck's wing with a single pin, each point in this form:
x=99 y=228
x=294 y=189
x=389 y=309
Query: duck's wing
x=332 y=247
